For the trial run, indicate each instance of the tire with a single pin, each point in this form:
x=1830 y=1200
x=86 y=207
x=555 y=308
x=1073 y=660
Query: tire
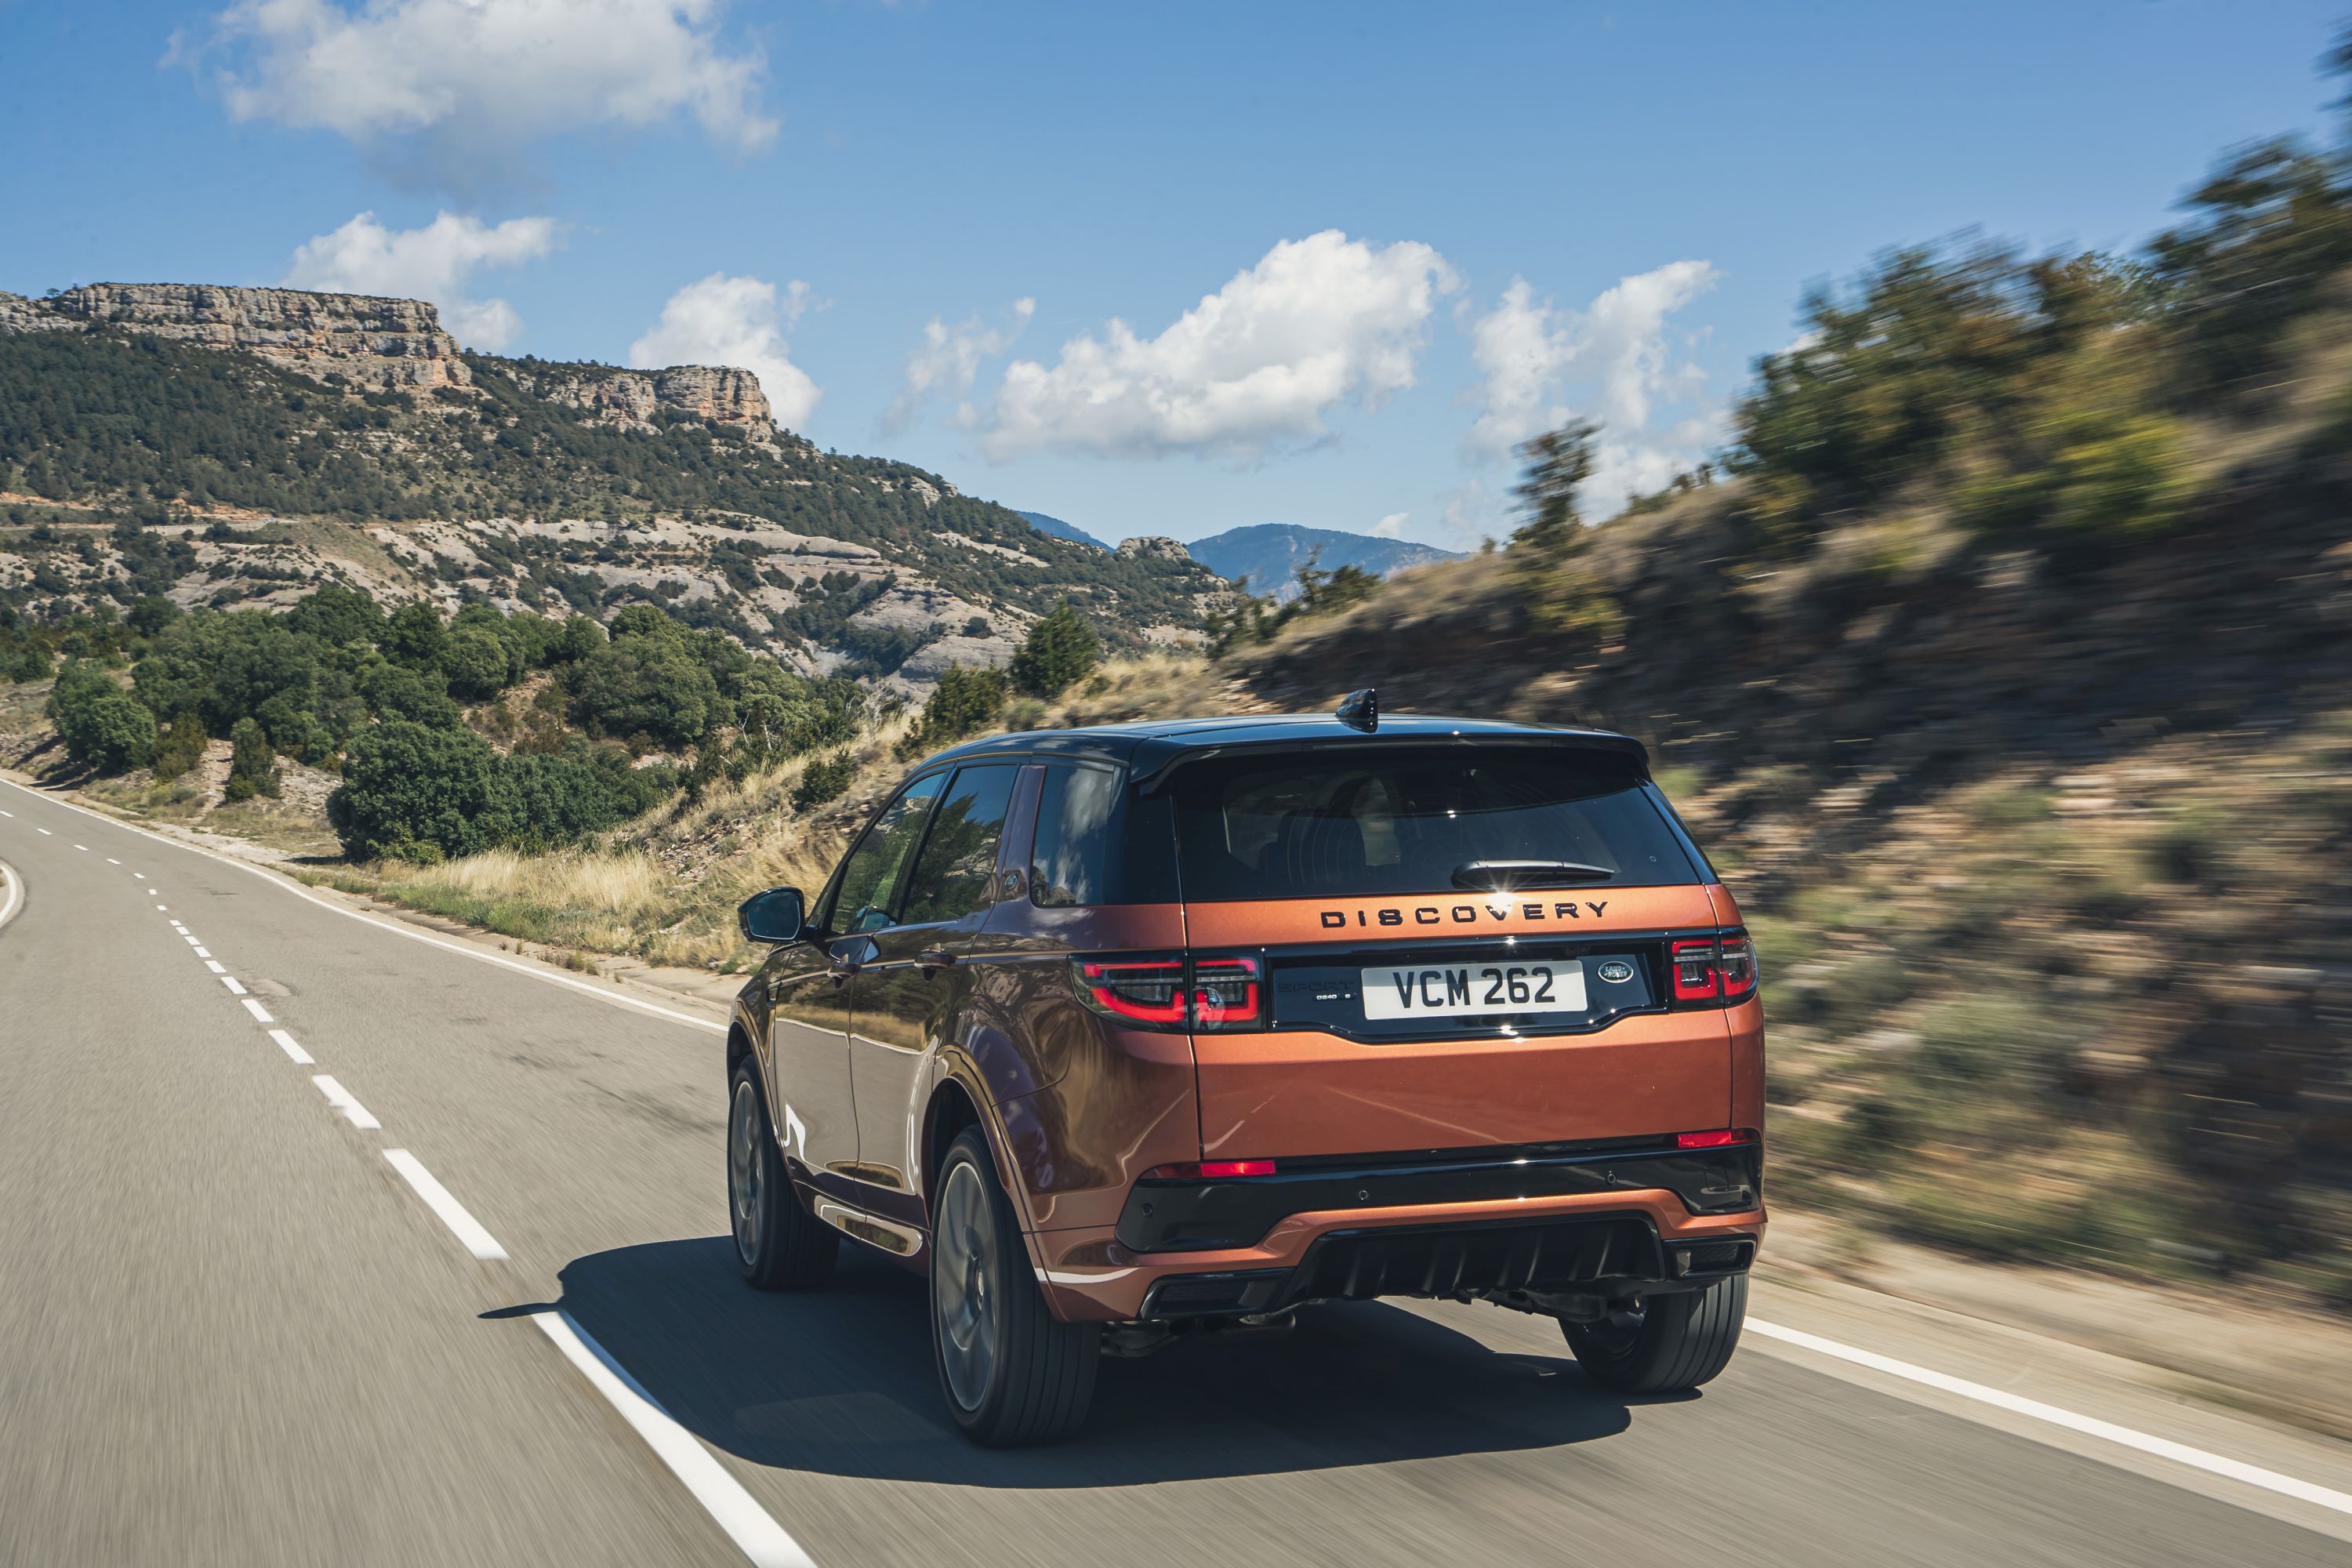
x=779 y=1245
x=1011 y=1373
x=1674 y=1344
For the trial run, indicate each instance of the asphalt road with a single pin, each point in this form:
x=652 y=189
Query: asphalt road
x=233 y=1331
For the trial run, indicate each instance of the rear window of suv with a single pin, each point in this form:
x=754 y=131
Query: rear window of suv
x=1361 y=824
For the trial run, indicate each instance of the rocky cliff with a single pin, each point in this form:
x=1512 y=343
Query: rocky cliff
x=632 y=398
x=371 y=342
x=375 y=343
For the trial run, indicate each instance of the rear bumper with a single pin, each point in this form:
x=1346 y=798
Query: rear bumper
x=1599 y=1243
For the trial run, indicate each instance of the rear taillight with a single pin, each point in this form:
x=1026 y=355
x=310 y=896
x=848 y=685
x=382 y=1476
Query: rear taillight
x=1722 y=1140
x=1145 y=991
x=1207 y=991
x=1225 y=992
x=1714 y=971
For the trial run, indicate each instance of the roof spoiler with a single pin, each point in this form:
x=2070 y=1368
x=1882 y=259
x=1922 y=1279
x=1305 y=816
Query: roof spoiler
x=1149 y=772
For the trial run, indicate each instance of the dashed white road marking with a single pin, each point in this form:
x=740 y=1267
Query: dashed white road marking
x=752 y=1529
x=260 y=1014
x=234 y=988
x=10 y=814
x=112 y=861
x=340 y=1099
x=141 y=875
x=158 y=906
x=214 y=964
x=2089 y=1426
x=83 y=847
x=45 y=833
x=463 y=1226
x=536 y=972
x=201 y=950
x=286 y=1043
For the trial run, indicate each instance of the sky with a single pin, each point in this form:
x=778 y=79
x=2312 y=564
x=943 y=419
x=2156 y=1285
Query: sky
x=1152 y=270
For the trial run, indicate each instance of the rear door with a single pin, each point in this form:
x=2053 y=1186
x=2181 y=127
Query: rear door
x=810 y=1018
x=1464 y=946
x=906 y=995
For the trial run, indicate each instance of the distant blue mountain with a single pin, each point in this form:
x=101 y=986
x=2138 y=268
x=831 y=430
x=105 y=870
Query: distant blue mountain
x=1270 y=553
x=1060 y=529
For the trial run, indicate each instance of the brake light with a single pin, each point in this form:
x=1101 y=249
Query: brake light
x=1209 y=1170
x=1225 y=993
x=1694 y=976
x=1148 y=990
x=1219 y=991
x=1713 y=971
x=1723 y=1139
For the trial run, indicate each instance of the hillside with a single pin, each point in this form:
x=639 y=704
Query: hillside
x=1269 y=554
x=238 y=446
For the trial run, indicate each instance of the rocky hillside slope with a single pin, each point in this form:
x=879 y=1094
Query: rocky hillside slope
x=224 y=445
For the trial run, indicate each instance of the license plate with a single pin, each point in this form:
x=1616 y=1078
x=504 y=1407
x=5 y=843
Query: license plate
x=1474 y=990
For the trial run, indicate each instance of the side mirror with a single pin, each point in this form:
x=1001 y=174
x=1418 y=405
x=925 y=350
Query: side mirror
x=774 y=916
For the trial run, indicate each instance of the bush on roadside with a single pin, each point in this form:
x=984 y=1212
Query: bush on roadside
x=964 y=702
x=253 y=766
x=825 y=779
x=1060 y=651
x=409 y=792
x=103 y=726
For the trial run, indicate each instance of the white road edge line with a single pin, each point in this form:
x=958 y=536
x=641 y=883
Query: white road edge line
x=2089 y=1426
x=536 y=972
x=260 y=1014
x=340 y=1099
x=464 y=1226
x=286 y=1043
x=749 y=1526
x=14 y=887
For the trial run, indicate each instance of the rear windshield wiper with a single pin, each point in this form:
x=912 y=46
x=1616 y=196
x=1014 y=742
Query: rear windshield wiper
x=1486 y=874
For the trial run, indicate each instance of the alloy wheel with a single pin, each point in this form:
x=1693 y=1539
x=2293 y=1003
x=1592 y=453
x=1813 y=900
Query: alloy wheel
x=965 y=1258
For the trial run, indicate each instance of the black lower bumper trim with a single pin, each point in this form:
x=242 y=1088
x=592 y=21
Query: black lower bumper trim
x=1168 y=1217
x=1532 y=1263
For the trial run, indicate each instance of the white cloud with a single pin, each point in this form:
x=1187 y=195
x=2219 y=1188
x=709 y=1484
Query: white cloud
x=1316 y=322
x=948 y=361
x=736 y=321
x=429 y=263
x=1614 y=361
x=1470 y=513
x=1391 y=526
x=491 y=73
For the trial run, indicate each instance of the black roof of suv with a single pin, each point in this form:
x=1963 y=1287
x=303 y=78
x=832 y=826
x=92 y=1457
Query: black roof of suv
x=1148 y=746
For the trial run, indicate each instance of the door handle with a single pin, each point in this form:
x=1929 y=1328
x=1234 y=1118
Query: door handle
x=934 y=958
x=843 y=969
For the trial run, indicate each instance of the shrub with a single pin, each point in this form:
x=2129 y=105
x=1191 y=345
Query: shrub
x=1060 y=650
x=963 y=702
x=338 y=615
x=647 y=686
x=825 y=779
x=414 y=636
x=252 y=766
x=409 y=789
x=181 y=748
x=476 y=660
x=103 y=726
x=396 y=691
x=557 y=801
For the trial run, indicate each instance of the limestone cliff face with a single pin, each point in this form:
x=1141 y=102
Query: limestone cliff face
x=1152 y=546
x=718 y=393
x=370 y=341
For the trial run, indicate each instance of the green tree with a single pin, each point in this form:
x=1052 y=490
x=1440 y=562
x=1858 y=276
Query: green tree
x=153 y=614
x=411 y=792
x=1551 y=548
x=824 y=779
x=963 y=702
x=477 y=661
x=414 y=636
x=337 y=616
x=1060 y=650
x=181 y=747
x=579 y=636
x=103 y=727
x=648 y=687
x=253 y=766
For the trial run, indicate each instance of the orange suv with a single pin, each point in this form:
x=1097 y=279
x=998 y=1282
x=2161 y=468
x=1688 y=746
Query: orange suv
x=1170 y=1028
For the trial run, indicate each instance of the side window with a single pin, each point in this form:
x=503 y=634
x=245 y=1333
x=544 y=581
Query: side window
x=875 y=876
x=1070 y=862
x=954 y=873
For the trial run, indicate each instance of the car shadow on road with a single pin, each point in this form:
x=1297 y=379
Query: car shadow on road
x=841 y=1381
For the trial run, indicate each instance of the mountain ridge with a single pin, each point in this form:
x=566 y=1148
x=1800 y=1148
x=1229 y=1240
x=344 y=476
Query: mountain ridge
x=316 y=437
x=1269 y=554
